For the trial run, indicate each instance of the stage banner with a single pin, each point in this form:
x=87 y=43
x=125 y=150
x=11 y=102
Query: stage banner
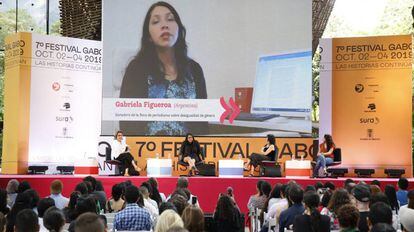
x=366 y=100
x=61 y=87
x=214 y=148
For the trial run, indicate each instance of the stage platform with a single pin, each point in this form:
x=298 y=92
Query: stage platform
x=206 y=188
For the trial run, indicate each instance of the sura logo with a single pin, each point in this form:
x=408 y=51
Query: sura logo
x=374 y=120
x=64 y=119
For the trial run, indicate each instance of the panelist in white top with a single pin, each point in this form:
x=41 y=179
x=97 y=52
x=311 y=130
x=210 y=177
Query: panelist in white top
x=120 y=149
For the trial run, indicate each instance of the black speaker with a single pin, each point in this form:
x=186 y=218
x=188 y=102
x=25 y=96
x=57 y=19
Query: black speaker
x=37 y=170
x=336 y=172
x=364 y=172
x=394 y=172
x=271 y=171
x=207 y=169
x=66 y=170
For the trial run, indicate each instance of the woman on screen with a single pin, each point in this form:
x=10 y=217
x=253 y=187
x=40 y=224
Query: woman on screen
x=190 y=152
x=162 y=69
x=120 y=150
x=269 y=152
x=325 y=157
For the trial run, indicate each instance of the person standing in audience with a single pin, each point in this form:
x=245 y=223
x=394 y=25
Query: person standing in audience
x=227 y=216
x=11 y=189
x=56 y=188
x=26 y=221
x=348 y=217
x=380 y=213
x=402 y=191
x=325 y=156
x=89 y=222
x=53 y=219
x=115 y=203
x=311 y=220
x=339 y=198
x=269 y=153
x=193 y=218
x=288 y=216
x=362 y=195
x=134 y=216
x=168 y=219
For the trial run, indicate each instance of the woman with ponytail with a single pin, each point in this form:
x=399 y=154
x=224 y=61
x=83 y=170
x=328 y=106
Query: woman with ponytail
x=311 y=220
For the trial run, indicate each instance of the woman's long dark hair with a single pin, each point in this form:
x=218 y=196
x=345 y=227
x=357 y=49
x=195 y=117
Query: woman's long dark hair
x=329 y=141
x=148 y=54
x=275 y=193
x=271 y=139
x=392 y=197
x=225 y=209
x=154 y=194
x=311 y=200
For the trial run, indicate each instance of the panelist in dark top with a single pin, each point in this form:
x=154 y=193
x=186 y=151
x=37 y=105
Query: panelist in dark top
x=190 y=152
x=269 y=152
x=162 y=69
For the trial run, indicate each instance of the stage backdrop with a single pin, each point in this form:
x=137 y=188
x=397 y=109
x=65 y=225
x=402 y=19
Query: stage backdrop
x=215 y=149
x=366 y=100
x=52 y=102
x=258 y=53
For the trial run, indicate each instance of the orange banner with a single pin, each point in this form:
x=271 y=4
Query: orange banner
x=372 y=101
x=216 y=148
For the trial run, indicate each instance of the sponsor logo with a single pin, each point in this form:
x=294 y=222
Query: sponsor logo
x=56 y=86
x=371 y=108
x=370 y=135
x=66 y=105
x=64 y=134
x=374 y=120
x=64 y=119
x=359 y=88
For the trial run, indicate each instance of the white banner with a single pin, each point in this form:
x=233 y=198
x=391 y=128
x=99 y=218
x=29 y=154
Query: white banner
x=65 y=101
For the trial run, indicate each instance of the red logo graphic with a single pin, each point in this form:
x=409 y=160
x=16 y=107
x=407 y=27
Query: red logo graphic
x=232 y=110
x=55 y=86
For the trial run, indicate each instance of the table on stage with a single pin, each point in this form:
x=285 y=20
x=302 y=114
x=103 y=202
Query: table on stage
x=295 y=168
x=231 y=168
x=159 y=167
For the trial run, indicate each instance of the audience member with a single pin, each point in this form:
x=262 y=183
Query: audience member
x=339 y=198
x=374 y=189
x=168 y=219
x=3 y=202
x=391 y=194
x=23 y=201
x=259 y=199
x=227 y=216
x=179 y=202
x=34 y=199
x=83 y=205
x=348 y=217
x=26 y=221
x=82 y=188
x=362 y=194
x=43 y=205
x=277 y=208
x=326 y=197
x=193 y=218
x=53 y=219
x=311 y=220
x=70 y=210
x=167 y=205
x=115 y=203
x=297 y=208
x=407 y=218
x=182 y=183
x=153 y=209
x=330 y=185
x=376 y=182
x=12 y=187
x=56 y=188
x=2 y=222
x=274 y=197
x=382 y=227
x=155 y=194
x=380 y=213
x=379 y=197
x=100 y=195
x=133 y=217
x=23 y=186
x=89 y=222
x=402 y=191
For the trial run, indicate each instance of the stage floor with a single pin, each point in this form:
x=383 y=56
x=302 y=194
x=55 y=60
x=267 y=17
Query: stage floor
x=206 y=188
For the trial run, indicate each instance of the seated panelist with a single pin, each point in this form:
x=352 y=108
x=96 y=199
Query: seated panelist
x=269 y=152
x=120 y=152
x=190 y=152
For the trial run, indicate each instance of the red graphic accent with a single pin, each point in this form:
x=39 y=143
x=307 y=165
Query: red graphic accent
x=55 y=86
x=226 y=108
x=232 y=110
x=236 y=110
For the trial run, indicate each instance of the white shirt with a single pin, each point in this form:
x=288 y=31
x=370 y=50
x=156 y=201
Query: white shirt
x=152 y=210
x=276 y=209
x=60 y=201
x=117 y=148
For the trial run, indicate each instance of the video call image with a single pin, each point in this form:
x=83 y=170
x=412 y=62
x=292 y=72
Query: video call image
x=257 y=53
